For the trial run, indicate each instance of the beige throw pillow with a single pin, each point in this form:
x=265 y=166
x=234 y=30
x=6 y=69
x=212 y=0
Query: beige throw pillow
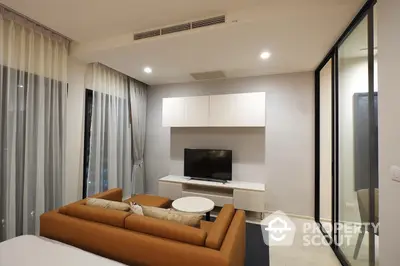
x=136 y=208
x=191 y=219
x=108 y=204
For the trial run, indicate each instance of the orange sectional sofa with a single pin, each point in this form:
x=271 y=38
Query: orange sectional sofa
x=141 y=240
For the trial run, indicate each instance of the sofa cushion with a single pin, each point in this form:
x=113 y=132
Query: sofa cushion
x=150 y=200
x=218 y=231
x=166 y=229
x=191 y=219
x=108 y=204
x=95 y=214
x=206 y=226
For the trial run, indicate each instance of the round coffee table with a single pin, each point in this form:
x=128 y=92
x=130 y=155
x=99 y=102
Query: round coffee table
x=194 y=205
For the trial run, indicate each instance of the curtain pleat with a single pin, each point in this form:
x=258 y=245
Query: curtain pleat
x=110 y=142
x=138 y=98
x=33 y=91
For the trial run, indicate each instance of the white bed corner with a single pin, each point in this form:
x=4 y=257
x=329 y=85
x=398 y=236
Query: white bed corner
x=31 y=250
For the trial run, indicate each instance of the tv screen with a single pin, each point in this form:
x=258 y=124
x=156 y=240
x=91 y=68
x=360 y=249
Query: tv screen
x=208 y=164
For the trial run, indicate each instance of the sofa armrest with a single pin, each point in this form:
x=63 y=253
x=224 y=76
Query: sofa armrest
x=114 y=194
x=234 y=245
x=220 y=227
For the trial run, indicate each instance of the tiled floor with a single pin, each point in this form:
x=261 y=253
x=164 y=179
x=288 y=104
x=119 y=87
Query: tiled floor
x=298 y=254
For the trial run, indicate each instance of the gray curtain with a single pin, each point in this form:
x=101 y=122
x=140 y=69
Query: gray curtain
x=138 y=103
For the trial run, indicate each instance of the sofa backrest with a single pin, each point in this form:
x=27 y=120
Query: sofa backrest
x=96 y=214
x=218 y=230
x=166 y=229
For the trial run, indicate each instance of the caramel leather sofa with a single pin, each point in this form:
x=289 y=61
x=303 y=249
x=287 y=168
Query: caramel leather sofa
x=140 y=240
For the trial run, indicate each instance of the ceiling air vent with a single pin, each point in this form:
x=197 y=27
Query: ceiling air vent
x=208 y=75
x=208 y=22
x=146 y=34
x=176 y=28
x=180 y=27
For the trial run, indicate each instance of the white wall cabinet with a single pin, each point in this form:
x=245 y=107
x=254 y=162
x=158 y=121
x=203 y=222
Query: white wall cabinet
x=170 y=190
x=197 y=111
x=229 y=110
x=173 y=112
x=249 y=200
x=238 y=110
x=185 y=112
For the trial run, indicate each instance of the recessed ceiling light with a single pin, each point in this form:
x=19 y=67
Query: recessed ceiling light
x=265 y=55
x=147 y=70
x=20 y=86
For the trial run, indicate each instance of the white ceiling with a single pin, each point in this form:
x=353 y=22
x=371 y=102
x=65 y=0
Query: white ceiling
x=297 y=33
x=85 y=20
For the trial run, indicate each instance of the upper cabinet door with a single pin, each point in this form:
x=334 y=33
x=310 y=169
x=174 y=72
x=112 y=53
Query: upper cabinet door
x=186 y=112
x=197 y=111
x=230 y=110
x=238 y=110
x=173 y=112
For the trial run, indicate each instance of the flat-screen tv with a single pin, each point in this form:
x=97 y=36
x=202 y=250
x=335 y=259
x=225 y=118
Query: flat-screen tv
x=208 y=164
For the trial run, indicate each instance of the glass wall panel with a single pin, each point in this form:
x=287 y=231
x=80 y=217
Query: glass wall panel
x=357 y=165
x=347 y=142
x=376 y=194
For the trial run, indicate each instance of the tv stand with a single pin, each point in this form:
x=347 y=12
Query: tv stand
x=243 y=195
x=208 y=179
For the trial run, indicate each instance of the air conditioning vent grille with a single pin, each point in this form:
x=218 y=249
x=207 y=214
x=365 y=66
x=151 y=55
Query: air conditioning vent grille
x=181 y=27
x=146 y=34
x=208 y=75
x=176 y=28
x=208 y=22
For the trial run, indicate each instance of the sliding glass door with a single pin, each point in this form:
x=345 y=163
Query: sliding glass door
x=347 y=143
x=357 y=165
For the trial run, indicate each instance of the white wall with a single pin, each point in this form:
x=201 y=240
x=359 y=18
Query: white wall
x=282 y=157
x=75 y=116
x=389 y=129
x=326 y=142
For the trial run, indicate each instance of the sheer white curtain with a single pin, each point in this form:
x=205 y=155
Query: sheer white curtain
x=110 y=160
x=33 y=74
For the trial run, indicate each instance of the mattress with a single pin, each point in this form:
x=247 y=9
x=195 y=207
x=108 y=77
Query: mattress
x=40 y=251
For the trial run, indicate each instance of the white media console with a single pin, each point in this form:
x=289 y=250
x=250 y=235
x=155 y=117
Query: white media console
x=243 y=195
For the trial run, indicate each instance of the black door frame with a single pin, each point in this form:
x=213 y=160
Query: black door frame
x=86 y=142
x=367 y=11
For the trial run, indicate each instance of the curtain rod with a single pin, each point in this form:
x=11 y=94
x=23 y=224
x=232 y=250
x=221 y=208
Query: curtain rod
x=16 y=13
